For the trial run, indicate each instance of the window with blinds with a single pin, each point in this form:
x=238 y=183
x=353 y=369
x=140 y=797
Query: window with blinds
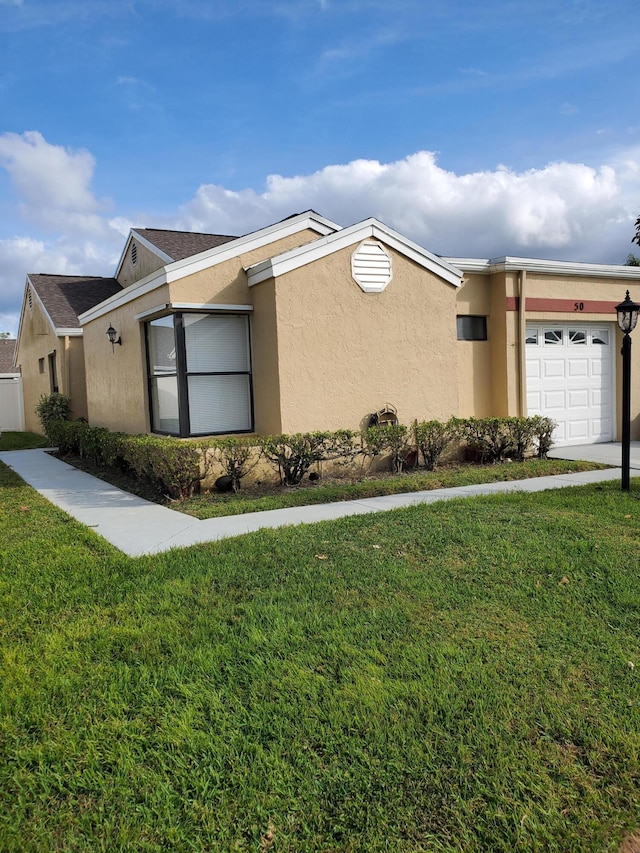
x=200 y=374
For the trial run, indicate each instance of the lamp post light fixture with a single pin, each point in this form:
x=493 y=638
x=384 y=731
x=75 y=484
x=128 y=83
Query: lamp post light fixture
x=114 y=338
x=627 y=313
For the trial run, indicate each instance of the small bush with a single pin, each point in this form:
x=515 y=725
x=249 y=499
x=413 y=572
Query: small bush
x=520 y=434
x=293 y=455
x=237 y=456
x=431 y=438
x=52 y=409
x=543 y=435
x=391 y=439
x=172 y=465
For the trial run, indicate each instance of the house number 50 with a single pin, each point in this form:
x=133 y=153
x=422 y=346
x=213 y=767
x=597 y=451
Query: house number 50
x=578 y=306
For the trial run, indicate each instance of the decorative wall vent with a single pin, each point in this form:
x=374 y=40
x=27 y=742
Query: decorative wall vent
x=134 y=253
x=371 y=267
x=30 y=299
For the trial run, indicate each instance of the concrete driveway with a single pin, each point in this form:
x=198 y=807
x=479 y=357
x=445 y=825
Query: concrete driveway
x=609 y=453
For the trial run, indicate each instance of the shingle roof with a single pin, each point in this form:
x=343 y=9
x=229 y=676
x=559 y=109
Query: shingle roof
x=67 y=296
x=182 y=244
x=7 y=350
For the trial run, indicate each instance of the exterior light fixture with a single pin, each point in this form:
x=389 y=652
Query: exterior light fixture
x=114 y=338
x=627 y=313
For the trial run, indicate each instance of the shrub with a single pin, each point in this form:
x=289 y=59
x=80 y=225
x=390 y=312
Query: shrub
x=293 y=455
x=488 y=436
x=237 y=456
x=431 y=438
x=543 y=434
x=172 y=465
x=520 y=433
x=51 y=410
x=391 y=439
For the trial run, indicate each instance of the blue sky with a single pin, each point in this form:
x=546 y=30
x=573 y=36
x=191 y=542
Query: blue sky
x=477 y=129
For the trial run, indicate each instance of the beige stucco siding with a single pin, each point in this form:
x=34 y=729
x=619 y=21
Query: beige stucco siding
x=117 y=381
x=37 y=341
x=344 y=353
x=264 y=358
x=474 y=357
x=146 y=263
x=226 y=283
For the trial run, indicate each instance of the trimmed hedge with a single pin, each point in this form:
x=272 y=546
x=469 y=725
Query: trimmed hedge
x=178 y=467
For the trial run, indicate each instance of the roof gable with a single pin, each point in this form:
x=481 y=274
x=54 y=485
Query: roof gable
x=309 y=220
x=178 y=245
x=65 y=297
x=320 y=248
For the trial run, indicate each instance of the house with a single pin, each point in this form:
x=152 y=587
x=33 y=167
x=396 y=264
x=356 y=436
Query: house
x=306 y=325
x=11 y=405
x=49 y=349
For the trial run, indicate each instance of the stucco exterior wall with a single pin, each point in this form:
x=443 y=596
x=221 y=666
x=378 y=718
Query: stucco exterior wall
x=344 y=353
x=264 y=357
x=117 y=381
x=226 y=283
x=146 y=263
x=37 y=341
x=474 y=357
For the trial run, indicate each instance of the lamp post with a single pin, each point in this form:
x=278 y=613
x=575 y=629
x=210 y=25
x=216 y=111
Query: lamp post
x=627 y=313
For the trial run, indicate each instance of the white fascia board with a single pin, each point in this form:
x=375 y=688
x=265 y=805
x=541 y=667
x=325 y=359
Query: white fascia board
x=572 y=268
x=255 y=240
x=205 y=260
x=470 y=264
x=69 y=333
x=166 y=259
x=348 y=237
x=146 y=285
x=207 y=307
x=10 y=375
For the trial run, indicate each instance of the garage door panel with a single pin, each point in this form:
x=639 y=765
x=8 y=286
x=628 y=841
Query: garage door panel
x=533 y=368
x=570 y=379
x=554 y=368
x=554 y=401
x=578 y=398
x=578 y=366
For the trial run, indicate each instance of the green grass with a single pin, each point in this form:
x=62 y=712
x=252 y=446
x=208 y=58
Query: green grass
x=21 y=441
x=214 y=504
x=445 y=678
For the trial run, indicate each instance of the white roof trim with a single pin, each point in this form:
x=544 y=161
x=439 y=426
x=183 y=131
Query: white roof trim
x=348 y=237
x=69 y=333
x=205 y=260
x=508 y=264
x=208 y=307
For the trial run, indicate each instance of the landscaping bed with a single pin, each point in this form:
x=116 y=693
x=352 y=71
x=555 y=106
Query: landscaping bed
x=266 y=495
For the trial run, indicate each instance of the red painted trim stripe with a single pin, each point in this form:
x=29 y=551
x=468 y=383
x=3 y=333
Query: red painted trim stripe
x=563 y=306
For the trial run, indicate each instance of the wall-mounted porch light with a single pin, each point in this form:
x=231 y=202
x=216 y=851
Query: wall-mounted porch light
x=114 y=338
x=627 y=313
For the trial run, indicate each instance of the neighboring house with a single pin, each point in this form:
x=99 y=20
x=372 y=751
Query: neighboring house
x=305 y=325
x=49 y=349
x=11 y=404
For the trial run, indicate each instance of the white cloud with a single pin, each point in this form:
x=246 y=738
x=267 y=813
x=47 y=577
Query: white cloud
x=53 y=182
x=563 y=210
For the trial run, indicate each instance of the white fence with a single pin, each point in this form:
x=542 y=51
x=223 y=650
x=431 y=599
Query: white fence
x=11 y=402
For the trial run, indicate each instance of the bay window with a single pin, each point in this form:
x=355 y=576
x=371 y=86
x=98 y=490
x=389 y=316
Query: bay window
x=199 y=374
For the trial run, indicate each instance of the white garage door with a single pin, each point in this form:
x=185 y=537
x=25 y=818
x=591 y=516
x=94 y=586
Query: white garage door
x=570 y=378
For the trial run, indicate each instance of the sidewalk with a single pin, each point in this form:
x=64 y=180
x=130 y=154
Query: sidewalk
x=138 y=527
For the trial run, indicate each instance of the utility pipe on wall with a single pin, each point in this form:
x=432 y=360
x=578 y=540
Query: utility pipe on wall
x=522 y=335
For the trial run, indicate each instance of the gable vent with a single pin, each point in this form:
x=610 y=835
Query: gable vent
x=371 y=267
x=134 y=253
x=30 y=299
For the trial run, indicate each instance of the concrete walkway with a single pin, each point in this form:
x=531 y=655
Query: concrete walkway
x=138 y=527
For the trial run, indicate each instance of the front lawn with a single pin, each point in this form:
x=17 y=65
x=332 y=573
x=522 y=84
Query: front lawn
x=21 y=441
x=459 y=677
